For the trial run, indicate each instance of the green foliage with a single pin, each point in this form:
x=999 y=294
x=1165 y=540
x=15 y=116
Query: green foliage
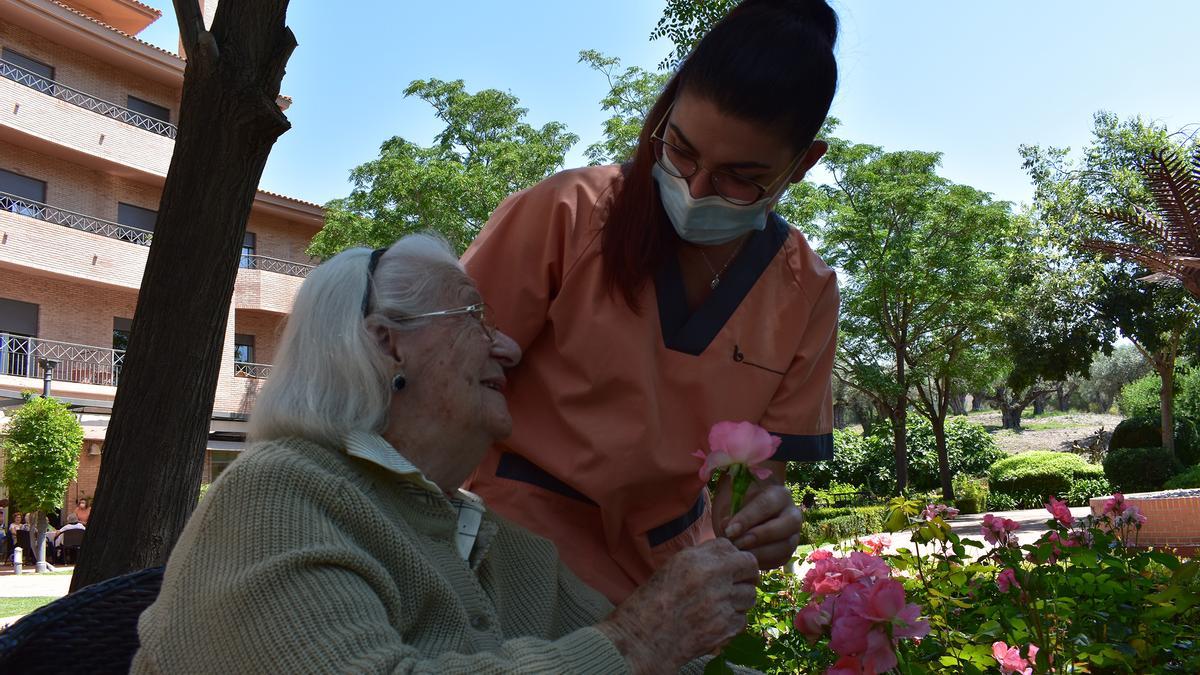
x=971 y=495
x=41 y=453
x=1108 y=375
x=867 y=460
x=1083 y=489
x=1145 y=432
x=684 y=22
x=1030 y=477
x=485 y=152
x=630 y=97
x=839 y=524
x=1140 y=398
x=1187 y=479
x=1140 y=469
x=999 y=501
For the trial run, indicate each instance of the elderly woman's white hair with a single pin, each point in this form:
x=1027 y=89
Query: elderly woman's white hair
x=330 y=377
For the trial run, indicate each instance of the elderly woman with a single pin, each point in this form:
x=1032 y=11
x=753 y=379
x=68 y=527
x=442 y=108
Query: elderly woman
x=342 y=542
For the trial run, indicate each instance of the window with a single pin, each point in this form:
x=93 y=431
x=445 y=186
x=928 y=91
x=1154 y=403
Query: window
x=19 y=188
x=136 y=216
x=248 y=247
x=44 y=73
x=121 y=330
x=148 y=109
x=18 y=324
x=243 y=348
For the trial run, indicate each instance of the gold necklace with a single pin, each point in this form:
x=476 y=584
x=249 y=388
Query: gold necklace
x=716 y=280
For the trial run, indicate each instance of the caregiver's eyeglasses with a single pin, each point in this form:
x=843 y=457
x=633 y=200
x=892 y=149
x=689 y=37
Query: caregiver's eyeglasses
x=731 y=187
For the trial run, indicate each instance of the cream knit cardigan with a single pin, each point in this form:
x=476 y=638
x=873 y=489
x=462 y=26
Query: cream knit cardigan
x=303 y=559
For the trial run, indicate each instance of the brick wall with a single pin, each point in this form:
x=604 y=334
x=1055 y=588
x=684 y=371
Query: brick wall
x=265 y=327
x=68 y=311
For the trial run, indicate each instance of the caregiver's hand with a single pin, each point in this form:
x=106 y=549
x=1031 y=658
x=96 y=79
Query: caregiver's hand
x=768 y=524
x=690 y=607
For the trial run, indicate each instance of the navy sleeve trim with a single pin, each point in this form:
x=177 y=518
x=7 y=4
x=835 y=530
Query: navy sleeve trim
x=795 y=448
x=677 y=526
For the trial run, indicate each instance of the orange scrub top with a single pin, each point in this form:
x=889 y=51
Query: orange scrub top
x=608 y=405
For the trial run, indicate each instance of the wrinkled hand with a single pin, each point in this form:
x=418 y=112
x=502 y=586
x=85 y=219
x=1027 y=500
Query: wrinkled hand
x=768 y=525
x=691 y=606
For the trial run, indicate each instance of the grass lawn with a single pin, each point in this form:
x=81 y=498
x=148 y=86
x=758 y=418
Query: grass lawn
x=15 y=606
x=1052 y=424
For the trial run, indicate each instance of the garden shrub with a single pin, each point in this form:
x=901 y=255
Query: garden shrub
x=1146 y=432
x=1140 y=469
x=998 y=501
x=1030 y=477
x=1188 y=479
x=838 y=524
x=1141 y=397
x=866 y=459
x=1084 y=489
x=971 y=495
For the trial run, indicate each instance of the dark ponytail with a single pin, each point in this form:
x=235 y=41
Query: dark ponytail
x=769 y=62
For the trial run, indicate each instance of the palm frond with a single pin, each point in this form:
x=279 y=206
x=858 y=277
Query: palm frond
x=1177 y=198
x=1141 y=223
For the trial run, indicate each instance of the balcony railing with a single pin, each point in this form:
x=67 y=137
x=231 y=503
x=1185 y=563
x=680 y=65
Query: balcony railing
x=20 y=356
x=262 y=262
x=259 y=371
x=75 y=221
x=86 y=101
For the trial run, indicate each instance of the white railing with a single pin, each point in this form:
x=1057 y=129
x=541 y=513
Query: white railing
x=62 y=92
x=75 y=221
x=259 y=371
x=262 y=262
x=21 y=356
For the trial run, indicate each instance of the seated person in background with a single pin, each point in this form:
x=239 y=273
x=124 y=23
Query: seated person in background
x=72 y=524
x=83 y=510
x=386 y=392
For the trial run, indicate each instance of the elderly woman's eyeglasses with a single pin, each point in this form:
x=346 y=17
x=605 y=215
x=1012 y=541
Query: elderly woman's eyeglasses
x=479 y=311
x=731 y=187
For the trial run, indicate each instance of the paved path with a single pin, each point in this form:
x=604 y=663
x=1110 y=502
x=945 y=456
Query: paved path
x=1033 y=525
x=31 y=585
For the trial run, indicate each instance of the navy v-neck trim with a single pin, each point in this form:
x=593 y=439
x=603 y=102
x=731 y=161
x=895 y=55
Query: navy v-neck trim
x=692 y=333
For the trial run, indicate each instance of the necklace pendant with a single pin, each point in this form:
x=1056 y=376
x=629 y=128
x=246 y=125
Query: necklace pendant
x=715 y=282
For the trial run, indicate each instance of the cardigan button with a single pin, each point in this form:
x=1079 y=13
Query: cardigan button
x=480 y=622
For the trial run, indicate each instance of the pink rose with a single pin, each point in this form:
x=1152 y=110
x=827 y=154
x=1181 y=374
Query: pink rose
x=1010 y=659
x=732 y=443
x=820 y=554
x=1060 y=511
x=877 y=543
x=847 y=665
x=865 y=566
x=814 y=620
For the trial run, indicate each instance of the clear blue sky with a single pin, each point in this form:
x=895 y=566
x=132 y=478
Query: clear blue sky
x=972 y=80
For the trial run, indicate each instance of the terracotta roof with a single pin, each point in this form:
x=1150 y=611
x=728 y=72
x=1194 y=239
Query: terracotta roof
x=286 y=98
x=145 y=6
x=292 y=199
x=115 y=30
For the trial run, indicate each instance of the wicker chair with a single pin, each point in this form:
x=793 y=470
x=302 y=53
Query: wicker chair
x=93 y=630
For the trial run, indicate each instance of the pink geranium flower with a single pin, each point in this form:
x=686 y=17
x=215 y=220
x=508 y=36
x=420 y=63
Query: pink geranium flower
x=731 y=443
x=999 y=531
x=877 y=542
x=1060 y=511
x=1011 y=661
x=1006 y=580
x=820 y=554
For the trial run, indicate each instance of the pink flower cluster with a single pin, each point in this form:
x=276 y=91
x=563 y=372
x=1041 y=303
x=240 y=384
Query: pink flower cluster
x=1060 y=511
x=1011 y=661
x=934 y=510
x=877 y=542
x=999 y=531
x=1007 y=579
x=1123 y=513
x=861 y=608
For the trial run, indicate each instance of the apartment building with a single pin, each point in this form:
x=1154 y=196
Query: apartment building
x=87 y=128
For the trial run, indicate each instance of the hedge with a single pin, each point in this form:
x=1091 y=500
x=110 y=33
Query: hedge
x=1140 y=469
x=839 y=524
x=1030 y=477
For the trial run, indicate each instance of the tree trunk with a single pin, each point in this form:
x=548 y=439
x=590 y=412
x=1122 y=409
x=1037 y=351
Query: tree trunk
x=39 y=546
x=1167 y=402
x=1039 y=406
x=977 y=401
x=154 y=450
x=939 y=435
x=839 y=415
x=900 y=446
x=1063 y=399
x=958 y=404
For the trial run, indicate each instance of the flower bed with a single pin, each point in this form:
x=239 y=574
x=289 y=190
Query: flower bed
x=1173 y=517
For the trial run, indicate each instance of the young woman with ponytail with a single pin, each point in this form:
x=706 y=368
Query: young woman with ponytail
x=655 y=299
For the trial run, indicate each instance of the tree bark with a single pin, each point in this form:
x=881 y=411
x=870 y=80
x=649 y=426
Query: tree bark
x=154 y=449
x=939 y=435
x=1039 y=406
x=1167 y=403
x=977 y=401
x=958 y=404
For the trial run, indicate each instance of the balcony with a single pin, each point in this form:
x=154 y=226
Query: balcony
x=75 y=221
x=21 y=356
x=258 y=371
x=80 y=99
x=262 y=262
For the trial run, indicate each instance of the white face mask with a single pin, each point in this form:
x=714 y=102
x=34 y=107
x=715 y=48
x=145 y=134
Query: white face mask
x=708 y=221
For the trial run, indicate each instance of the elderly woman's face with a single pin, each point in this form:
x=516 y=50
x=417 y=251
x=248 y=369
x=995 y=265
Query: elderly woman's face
x=457 y=373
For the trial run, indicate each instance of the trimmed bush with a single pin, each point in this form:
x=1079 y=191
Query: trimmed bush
x=1146 y=432
x=839 y=524
x=1030 y=477
x=1140 y=469
x=1187 y=479
x=1084 y=489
